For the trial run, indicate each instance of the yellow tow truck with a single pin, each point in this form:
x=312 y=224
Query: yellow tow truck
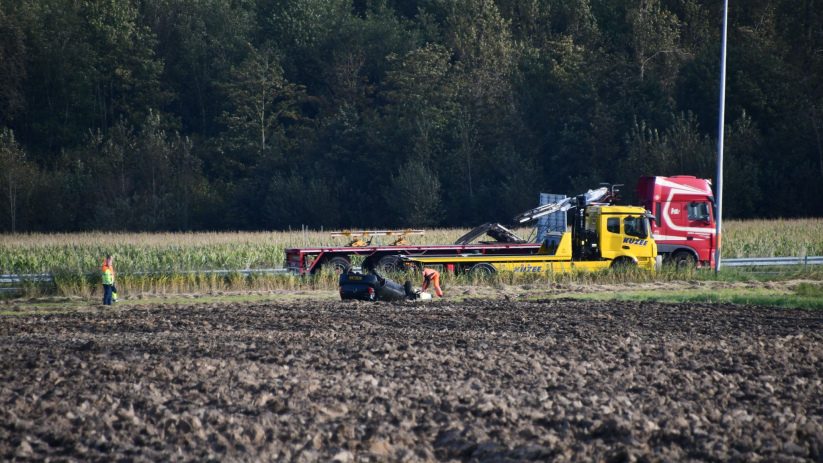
x=602 y=236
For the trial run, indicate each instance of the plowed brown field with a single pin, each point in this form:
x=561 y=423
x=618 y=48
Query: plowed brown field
x=560 y=380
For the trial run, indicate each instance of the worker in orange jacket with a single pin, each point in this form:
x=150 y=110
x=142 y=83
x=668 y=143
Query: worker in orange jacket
x=431 y=276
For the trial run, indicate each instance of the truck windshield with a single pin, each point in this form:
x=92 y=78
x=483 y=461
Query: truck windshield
x=699 y=211
x=636 y=226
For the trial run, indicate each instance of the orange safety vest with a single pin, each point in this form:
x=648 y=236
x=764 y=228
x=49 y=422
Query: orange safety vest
x=429 y=273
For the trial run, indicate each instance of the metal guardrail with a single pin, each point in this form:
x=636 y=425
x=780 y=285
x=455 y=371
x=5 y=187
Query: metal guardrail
x=744 y=262
x=36 y=277
x=47 y=277
x=771 y=261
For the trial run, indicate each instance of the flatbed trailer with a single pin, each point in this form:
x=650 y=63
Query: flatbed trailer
x=311 y=260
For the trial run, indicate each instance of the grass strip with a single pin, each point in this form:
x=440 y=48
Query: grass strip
x=805 y=295
x=747 y=297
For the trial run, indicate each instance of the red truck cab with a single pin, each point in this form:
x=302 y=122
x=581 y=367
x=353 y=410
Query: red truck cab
x=684 y=226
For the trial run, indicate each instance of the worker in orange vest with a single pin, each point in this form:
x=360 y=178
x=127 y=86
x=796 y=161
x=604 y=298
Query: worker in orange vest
x=431 y=277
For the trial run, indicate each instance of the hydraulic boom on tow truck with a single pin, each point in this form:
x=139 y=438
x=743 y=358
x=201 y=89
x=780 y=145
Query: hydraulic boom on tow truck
x=592 y=196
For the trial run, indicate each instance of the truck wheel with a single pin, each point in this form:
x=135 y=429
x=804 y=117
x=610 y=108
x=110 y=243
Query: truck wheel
x=683 y=260
x=388 y=264
x=338 y=265
x=623 y=263
x=482 y=269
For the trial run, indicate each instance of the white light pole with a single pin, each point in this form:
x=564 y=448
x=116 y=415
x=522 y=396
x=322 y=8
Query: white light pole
x=719 y=186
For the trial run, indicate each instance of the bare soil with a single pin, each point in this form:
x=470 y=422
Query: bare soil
x=495 y=380
x=530 y=291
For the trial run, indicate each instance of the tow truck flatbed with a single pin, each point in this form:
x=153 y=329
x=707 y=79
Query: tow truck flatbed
x=310 y=259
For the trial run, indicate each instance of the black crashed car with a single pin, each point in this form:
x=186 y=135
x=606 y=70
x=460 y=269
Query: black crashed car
x=365 y=287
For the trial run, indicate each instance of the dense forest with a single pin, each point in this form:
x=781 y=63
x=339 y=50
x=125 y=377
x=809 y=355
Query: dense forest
x=265 y=114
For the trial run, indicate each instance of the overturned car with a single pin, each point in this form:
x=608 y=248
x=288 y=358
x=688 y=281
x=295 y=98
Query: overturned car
x=373 y=286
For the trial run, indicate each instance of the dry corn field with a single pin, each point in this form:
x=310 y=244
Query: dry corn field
x=773 y=238
x=151 y=252
x=72 y=257
x=155 y=252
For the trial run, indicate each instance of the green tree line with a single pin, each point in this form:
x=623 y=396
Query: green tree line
x=268 y=114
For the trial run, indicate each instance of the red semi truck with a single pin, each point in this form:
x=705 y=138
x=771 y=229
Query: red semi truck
x=683 y=228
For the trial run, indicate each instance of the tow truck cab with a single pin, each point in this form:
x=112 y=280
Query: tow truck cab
x=618 y=232
x=684 y=225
